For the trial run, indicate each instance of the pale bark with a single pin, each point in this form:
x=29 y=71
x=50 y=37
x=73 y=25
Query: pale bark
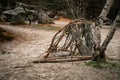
x=97 y=32
x=97 y=40
x=106 y=10
x=99 y=54
x=99 y=21
x=110 y=34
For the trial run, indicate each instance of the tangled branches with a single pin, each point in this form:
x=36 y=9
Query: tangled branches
x=76 y=38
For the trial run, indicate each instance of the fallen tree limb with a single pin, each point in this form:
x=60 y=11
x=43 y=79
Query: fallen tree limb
x=62 y=59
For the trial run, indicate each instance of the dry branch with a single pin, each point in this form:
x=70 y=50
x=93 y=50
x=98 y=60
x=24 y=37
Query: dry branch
x=72 y=41
x=62 y=59
x=75 y=37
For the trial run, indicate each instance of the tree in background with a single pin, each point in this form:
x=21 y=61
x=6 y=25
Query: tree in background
x=72 y=8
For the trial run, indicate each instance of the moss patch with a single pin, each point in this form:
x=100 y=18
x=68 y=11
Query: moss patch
x=102 y=65
x=48 y=28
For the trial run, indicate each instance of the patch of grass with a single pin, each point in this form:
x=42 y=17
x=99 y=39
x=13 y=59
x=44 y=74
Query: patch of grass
x=102 y=65
x=5 y=35
x=48 y=28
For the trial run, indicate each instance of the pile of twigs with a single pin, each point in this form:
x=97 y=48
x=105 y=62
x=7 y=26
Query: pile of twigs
x=76 y=37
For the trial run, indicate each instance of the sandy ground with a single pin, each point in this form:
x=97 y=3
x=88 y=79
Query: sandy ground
x=30 y=43
x=61 y=22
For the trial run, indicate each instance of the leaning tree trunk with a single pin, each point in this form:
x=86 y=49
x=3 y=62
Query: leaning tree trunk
x=109 y=36
x=97 y=31
x=100 y=54
x=105 y=10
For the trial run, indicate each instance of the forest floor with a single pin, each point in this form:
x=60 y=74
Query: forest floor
x=30 y=42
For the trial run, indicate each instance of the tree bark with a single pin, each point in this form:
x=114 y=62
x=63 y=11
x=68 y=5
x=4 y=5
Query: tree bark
x=110 y=34
x=106 y=10
x=62 y=59
x=97 y=40
x=71 y=9
x=99 y=53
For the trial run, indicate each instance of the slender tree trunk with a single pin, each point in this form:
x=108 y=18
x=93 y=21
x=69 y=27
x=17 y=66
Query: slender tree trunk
x=106 y=10
x=97 y=40
x=98 y=55
x=109 y=36
x=71 y=9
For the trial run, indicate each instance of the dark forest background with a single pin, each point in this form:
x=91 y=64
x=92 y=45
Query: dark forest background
x=92 y=7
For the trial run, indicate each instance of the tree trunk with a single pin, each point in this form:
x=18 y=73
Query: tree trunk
x=106 y=10
x=100 y=54
x=110 y=35
x=71 y=9
x=97 y=56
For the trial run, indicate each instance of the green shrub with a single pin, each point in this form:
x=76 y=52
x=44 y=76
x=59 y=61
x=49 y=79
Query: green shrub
x=17 y=20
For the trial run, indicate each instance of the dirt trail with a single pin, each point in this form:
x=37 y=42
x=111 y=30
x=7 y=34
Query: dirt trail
x=61 y=22
x=31 y=43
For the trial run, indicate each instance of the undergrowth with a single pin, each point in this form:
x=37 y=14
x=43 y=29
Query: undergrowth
x=47 y=27
x=102 y=65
